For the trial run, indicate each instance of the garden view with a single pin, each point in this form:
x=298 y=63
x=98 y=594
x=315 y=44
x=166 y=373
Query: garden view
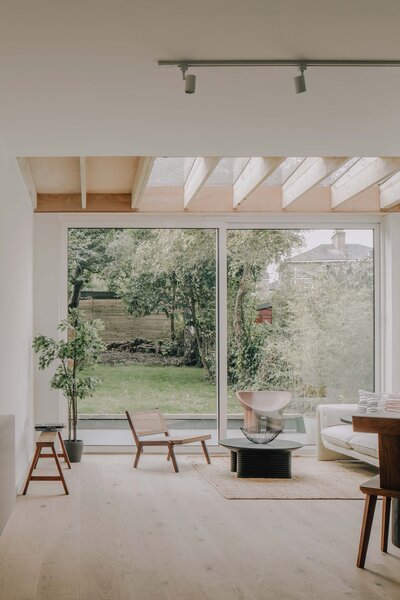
x=299 y=317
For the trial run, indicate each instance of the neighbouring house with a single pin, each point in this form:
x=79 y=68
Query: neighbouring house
x=301 y=268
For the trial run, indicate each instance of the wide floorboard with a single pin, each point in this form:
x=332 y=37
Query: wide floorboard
x=152 y=534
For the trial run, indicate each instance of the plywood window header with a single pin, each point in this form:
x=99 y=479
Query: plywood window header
x=212 y=184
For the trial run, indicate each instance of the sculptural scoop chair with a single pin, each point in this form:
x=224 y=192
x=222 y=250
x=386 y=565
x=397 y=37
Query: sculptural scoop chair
x=262 y=404
x=152 y=422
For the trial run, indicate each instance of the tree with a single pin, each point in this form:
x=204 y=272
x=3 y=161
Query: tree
x=87 y=255
x=335 y=329
x=321 y=341
x=170 y=271
x=250 y=253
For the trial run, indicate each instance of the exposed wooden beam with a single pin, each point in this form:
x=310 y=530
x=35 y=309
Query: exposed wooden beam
x=390 y=192
x=28 y=180
x=82 y=168
x=214 y=199
x=201 y=170
x=307 y=175
x=143 y=171
x=365 y=173
x=254 y=173
x=53 y=203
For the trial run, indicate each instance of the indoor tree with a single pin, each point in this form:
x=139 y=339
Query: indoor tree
x=79 y=351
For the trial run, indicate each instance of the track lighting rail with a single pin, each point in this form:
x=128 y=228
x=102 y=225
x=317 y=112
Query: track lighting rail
x=280 y=63
x=302 y=64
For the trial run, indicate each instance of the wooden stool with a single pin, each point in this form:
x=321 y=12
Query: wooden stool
x=63 y=454
x=48 y=440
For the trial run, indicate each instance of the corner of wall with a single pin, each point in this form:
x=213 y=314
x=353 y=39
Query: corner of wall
x=16 y=307
x=390 y=301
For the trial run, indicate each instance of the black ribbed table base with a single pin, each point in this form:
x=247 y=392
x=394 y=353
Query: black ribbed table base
x=272 y=464
x=273 y=460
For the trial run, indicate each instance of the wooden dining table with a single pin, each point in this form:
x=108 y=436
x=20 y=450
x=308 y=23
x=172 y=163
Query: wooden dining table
x=387 y=426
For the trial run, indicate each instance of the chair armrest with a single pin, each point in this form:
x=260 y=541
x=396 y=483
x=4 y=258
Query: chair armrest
x=327 y=416
x=330 y=414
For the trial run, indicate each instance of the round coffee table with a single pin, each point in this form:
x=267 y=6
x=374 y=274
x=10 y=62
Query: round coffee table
x=261 y=460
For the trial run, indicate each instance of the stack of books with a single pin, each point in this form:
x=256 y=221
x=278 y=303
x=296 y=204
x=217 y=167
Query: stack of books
x=368 y=402
x=392 y=402
x=49 y=427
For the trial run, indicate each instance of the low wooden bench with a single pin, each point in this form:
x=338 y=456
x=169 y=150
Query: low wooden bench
x=48 y=439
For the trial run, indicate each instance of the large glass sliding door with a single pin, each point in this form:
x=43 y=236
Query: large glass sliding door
x=296 y=313
x=300 y=317
x=155 y=292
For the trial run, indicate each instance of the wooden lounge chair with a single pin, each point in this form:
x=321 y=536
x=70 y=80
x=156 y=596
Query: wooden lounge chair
x=152 y=422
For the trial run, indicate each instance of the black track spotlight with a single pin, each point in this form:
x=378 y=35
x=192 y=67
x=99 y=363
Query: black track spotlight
x=300 y=80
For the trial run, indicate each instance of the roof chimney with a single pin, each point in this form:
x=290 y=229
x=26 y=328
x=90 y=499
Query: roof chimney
x=339 y=239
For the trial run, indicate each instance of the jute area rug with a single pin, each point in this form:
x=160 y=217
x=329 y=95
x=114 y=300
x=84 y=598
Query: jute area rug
x=311 y=480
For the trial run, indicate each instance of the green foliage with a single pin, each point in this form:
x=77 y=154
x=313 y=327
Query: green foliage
x=79 y=351
x=170 y=271
x=88 y=251
x=250 y=253
x=87 y=256
x=320 y=344
x=173 y=271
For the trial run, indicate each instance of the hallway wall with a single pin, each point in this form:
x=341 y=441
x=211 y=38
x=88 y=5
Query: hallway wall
x=16 y=308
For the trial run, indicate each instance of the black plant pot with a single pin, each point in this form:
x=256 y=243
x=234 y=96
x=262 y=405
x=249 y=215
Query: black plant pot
x=74 y=450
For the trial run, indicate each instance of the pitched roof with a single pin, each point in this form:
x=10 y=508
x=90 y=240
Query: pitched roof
x=328 y=252
x=264 y=306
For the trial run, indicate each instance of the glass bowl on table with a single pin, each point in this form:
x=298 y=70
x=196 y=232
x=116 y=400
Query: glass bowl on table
x=261 y=434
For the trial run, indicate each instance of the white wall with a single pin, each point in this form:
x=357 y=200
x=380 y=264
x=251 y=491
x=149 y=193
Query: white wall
x=391 y=302
x=47 y=307
x=16 y=312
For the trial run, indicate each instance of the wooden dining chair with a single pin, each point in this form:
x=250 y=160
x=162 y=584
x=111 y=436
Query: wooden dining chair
x=372 y=490
x=152 y=422
x=387 y=483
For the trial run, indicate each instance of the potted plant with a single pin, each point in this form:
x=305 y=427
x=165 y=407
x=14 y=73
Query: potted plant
x=79 y=351
x=306 y=405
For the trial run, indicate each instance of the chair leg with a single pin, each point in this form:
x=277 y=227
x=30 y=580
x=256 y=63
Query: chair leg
x=169 y=453
x=64 y=450
x=385 y=523
x=138 y=453
x=28 y=479
x=205 y=450
x=59 y=470
x=36 y=459
x=368 y=517
x=173 y=458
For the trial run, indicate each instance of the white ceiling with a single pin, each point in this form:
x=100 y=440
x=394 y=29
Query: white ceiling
x=80 y=78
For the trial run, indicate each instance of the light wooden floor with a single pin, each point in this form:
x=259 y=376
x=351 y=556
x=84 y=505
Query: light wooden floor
x=151 y=534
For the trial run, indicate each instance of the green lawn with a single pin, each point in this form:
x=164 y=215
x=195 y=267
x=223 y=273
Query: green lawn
x=139 y=387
